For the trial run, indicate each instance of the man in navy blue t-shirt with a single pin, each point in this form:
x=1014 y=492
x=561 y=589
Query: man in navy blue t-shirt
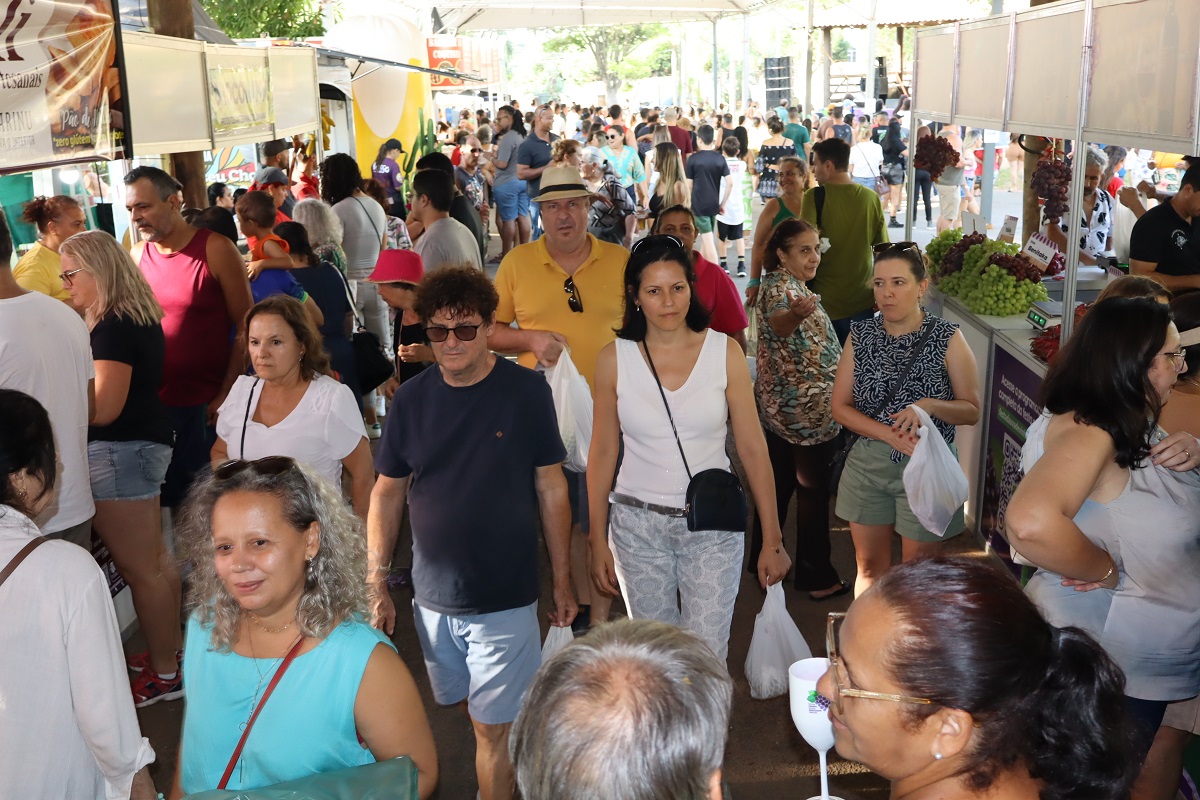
x=473 y=445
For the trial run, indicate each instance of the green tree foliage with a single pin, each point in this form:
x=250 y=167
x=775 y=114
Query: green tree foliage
x=286 y=19
x=612 y=47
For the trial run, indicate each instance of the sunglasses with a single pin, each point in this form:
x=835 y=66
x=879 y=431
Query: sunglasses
x=885 y=248
x=657 y=240
x=66 y=276
x=612 y=137
x=464 y=333
x=271 y=465
x=476 y=150
x=573 y=300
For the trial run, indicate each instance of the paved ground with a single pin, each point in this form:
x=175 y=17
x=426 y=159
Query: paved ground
x=765 y=758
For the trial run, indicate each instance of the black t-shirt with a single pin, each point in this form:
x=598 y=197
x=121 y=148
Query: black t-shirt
x=408 y=334
x=1164 y=238
x=705 y=169
x=472 y=452
x=327 y=290
x=143 y=418
x=844 y=132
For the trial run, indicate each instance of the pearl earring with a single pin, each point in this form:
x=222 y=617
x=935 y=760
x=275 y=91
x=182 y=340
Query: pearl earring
x=937 y=756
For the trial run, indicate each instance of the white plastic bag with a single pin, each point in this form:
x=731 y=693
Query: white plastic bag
x=573 y=405
x=556 y=639
x=775 y=646
x=933 y=480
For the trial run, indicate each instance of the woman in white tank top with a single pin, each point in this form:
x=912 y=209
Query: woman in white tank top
x=664 y=571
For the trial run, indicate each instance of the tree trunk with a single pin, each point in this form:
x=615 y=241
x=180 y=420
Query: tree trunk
x=174 y=18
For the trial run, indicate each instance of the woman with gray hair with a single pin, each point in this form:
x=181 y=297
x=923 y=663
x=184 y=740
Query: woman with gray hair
x=1096 y=221
x=277 y=562
x=324 y=230
x=613 y=215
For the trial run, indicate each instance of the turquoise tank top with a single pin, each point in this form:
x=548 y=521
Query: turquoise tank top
x=306 y=727
x=783 y=213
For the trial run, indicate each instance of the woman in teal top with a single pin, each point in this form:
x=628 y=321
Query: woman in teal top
x=626 y=162
x=793 y=181
x=278 y=562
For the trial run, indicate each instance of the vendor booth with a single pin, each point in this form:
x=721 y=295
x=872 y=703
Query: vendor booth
x=1122 y=72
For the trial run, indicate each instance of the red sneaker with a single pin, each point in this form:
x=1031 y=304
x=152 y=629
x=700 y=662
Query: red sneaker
x=141 y=661
x=148 y=688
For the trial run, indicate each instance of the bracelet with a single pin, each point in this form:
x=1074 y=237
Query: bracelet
x=753 y=282
x=1111 y=569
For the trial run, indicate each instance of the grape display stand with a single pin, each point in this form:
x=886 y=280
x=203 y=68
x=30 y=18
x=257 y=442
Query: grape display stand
x=1123 y=72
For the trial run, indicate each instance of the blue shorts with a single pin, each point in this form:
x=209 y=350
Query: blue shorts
x=127 y=470
x=487 y=659
x=512 y=200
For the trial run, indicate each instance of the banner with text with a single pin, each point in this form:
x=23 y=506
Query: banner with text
x=240 y=100
x=61 y=98
x=445 y=53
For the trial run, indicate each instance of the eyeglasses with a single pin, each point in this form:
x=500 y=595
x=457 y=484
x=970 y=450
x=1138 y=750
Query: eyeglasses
x=476 y=150
x=612 y=137
x=895 y=247
x=271 y=465
x=66 y=276
x=841 y=678
x=464 y=333
x=657 y=240
x=1178 y=359
x=573 y=299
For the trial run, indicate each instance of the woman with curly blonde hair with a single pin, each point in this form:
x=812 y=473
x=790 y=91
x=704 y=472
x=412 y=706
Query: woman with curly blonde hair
x=277 y=562
x=565 y=152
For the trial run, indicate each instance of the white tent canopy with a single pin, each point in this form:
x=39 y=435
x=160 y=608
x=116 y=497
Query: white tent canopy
x=493 y=15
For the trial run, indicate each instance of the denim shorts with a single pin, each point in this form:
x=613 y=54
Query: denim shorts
x=489 y=660
x=512 y=200
x=127 y=470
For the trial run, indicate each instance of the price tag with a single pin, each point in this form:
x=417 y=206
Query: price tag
x=1041 y=250
x=974 y=223
x=1008 y=232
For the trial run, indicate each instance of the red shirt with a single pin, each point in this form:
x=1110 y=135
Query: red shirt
x=681 y=139
x=1114 y=186
x=719 y=295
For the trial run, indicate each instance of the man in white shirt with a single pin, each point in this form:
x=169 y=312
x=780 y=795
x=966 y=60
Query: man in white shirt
x=445 y=241
x=46 y=352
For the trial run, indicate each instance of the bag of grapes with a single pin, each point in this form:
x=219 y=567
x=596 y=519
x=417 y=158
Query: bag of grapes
x=933 y=480
x=774 y=647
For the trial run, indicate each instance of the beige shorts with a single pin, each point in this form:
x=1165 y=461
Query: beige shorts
x=949 y=201
x=1183 y=715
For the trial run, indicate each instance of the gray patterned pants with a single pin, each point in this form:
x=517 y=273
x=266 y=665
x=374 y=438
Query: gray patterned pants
x=670 y=574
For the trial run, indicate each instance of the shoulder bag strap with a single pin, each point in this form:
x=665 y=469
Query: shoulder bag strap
x=237 y=751
x=246 y=419
x=370 y=220
x=667 y=405
x=33 y=544
x=359 y=324
x=912 y=360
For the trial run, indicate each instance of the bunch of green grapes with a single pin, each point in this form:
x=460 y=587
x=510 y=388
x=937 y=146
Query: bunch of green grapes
x=974 y=259
x=937 y=248
x=995 y=291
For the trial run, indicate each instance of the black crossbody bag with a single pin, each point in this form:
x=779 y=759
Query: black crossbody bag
x=715 y=500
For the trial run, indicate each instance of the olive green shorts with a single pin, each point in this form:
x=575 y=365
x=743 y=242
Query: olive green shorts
x=705 y=224
x=871 y=492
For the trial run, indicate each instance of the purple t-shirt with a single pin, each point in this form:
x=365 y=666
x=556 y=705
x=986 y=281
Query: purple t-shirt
x=387 y=174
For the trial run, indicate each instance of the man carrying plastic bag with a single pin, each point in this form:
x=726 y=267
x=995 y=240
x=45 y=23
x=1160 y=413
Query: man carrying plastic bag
x=573 y=405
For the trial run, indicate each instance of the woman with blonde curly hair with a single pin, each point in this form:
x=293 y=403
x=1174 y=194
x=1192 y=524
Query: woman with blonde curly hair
x=565 y=152
x=277 y=562
x=291 y=406
x=129 y=445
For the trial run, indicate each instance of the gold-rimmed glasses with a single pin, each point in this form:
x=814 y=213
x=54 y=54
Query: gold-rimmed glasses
x=841 y=679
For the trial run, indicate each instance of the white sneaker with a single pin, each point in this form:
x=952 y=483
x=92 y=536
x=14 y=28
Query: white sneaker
x=380 y=406
x=374 y=431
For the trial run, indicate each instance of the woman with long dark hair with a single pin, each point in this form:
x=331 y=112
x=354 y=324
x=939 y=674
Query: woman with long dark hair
x=668 y=388
x=1109 y=509
x=923 y=182
x=946 y=680
x=893 y=169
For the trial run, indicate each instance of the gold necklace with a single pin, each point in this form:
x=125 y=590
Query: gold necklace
x=254 y=619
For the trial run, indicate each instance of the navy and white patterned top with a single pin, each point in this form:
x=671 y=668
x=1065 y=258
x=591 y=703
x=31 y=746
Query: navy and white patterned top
x=879 y=358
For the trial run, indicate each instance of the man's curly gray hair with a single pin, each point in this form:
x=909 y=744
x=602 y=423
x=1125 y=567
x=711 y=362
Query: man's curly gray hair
x=335 y=587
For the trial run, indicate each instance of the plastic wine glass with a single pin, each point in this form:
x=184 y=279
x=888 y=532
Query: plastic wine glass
x=810 y=712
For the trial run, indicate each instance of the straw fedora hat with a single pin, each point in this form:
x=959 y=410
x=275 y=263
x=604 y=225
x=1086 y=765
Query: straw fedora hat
x=561 y=183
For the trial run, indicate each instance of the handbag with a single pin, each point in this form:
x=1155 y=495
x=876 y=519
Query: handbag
x=370 y=356
x=881 y=185
x=715 y=500
x=838 y=462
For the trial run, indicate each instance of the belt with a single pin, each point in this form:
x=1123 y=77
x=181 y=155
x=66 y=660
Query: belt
x=626 y=500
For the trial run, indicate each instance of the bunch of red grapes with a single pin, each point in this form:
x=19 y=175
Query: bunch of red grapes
x=1019 y=266
x=1052 y=182
x=953 y=260
x=934 y=154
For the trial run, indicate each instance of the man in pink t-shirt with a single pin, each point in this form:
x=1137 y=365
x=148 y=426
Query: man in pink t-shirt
x=714 y=287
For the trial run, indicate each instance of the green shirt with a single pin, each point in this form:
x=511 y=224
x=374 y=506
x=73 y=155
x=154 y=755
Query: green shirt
x=852 y=220
x=799 y=136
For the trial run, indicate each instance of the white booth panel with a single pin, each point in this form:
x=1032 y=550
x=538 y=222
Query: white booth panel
x=934 y=60
x=240 y=94
x=1049 y=54
x=294 y=93
x=168 y=95
x=983 y=73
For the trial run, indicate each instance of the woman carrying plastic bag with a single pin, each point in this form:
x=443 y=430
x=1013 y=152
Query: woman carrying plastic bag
x=775 y=646
x=933 y=479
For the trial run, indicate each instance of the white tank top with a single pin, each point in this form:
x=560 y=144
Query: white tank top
x=652 y=469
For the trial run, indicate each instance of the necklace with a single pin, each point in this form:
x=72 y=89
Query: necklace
x=254 y=619
x=262 y=676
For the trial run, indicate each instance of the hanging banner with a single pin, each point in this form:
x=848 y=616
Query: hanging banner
x=445 y=53
x=240 y=100
x=61 y=97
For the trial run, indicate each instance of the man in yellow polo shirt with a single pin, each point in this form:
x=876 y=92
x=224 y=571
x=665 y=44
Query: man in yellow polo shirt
x=564 y=289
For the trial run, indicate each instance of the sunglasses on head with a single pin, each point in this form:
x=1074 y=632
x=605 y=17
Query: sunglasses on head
x=464 y=333
x=885 y=248
x=657 y=240
x=271 y=465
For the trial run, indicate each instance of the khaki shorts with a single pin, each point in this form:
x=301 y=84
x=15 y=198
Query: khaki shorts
x=1183 y=715
x=872 y=493
x=949 y=201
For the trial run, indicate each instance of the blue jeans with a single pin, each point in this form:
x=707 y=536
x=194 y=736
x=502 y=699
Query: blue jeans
x=535 y=220
x=842 y=326
x=868 y=182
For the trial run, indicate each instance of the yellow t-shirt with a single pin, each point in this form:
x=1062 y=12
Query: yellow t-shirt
x=40 y=270
x=531 y=291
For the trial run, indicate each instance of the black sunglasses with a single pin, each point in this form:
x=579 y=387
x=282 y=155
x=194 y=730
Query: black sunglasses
x=271 y=465
x=657 y=240
x=573 y=299
x=895 y=247
x=464 y=333
x=476 y=150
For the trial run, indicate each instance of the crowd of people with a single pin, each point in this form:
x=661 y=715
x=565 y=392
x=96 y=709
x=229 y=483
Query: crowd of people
x=204 y=402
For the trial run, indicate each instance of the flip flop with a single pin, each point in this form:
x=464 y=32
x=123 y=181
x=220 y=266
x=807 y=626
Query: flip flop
x=841 y=590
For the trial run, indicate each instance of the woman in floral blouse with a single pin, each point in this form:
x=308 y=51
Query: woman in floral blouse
x=798 y=354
